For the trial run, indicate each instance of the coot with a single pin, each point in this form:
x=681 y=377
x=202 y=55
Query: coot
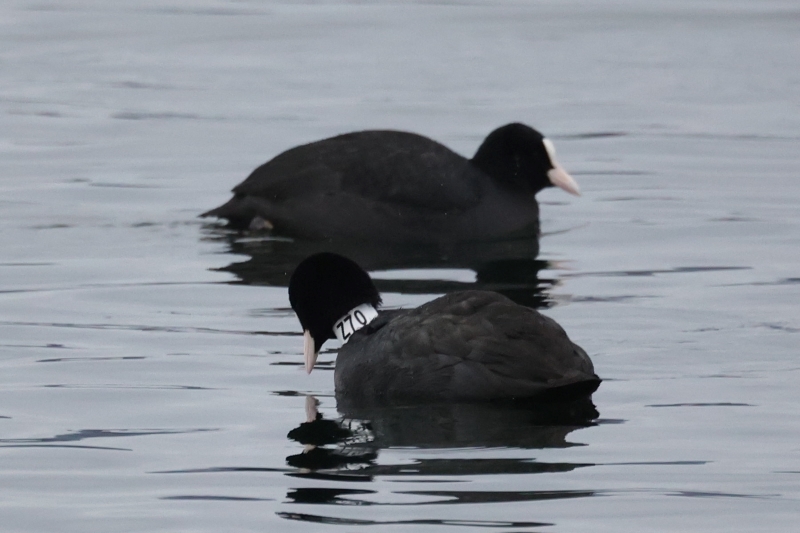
x=394 y=186
x=464 y=346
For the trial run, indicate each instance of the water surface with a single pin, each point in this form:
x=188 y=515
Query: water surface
x=151 y=366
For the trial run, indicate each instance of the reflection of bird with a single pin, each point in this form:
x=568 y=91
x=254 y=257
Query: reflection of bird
x=464 y=346
x=393 y=186
x=351 y=445
x=317 y=432
x=476 y=424
x=508 y=267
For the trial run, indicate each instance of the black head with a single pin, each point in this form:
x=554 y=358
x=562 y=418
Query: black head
x=322 y=289
x=521 y=159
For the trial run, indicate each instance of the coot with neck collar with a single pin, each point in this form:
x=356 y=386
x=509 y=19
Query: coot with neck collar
x=464 y=346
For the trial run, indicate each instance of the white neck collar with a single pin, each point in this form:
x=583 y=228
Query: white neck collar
x=354 y=320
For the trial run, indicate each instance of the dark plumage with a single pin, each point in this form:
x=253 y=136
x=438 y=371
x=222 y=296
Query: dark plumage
x=395 y=186
x=464 y=346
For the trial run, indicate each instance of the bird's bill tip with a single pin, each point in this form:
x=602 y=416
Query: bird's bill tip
x=310 y=352
x=560 y=178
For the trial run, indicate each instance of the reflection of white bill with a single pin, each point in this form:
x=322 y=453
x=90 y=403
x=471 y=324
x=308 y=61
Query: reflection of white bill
x=353 y=321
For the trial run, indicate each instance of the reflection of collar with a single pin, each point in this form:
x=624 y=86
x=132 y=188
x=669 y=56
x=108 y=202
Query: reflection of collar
x=357 y=318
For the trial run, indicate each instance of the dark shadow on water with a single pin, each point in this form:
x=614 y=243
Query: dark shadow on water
x=347 y=450
x=333 y=496
x=507 y=267
x=350 y=445
x=316 y=519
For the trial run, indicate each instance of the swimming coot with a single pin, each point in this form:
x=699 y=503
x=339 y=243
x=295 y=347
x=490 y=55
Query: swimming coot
x=393 y=186
x=464 y=346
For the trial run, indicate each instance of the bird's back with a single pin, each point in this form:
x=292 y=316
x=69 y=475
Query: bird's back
x=393 y=167
x=465 y=346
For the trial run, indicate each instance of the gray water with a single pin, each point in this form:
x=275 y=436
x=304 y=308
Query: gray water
x=151 y=364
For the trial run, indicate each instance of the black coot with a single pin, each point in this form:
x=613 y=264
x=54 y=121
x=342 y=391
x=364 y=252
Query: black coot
x=464 y=346
x=393 y=186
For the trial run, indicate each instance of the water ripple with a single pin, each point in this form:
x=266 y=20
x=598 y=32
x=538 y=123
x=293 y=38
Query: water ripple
x=653 y=272
x=58 y=441
x=194 y=497
x=317 y=519
x=708 y=404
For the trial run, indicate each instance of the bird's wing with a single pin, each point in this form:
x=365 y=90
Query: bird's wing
x=484 y=345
